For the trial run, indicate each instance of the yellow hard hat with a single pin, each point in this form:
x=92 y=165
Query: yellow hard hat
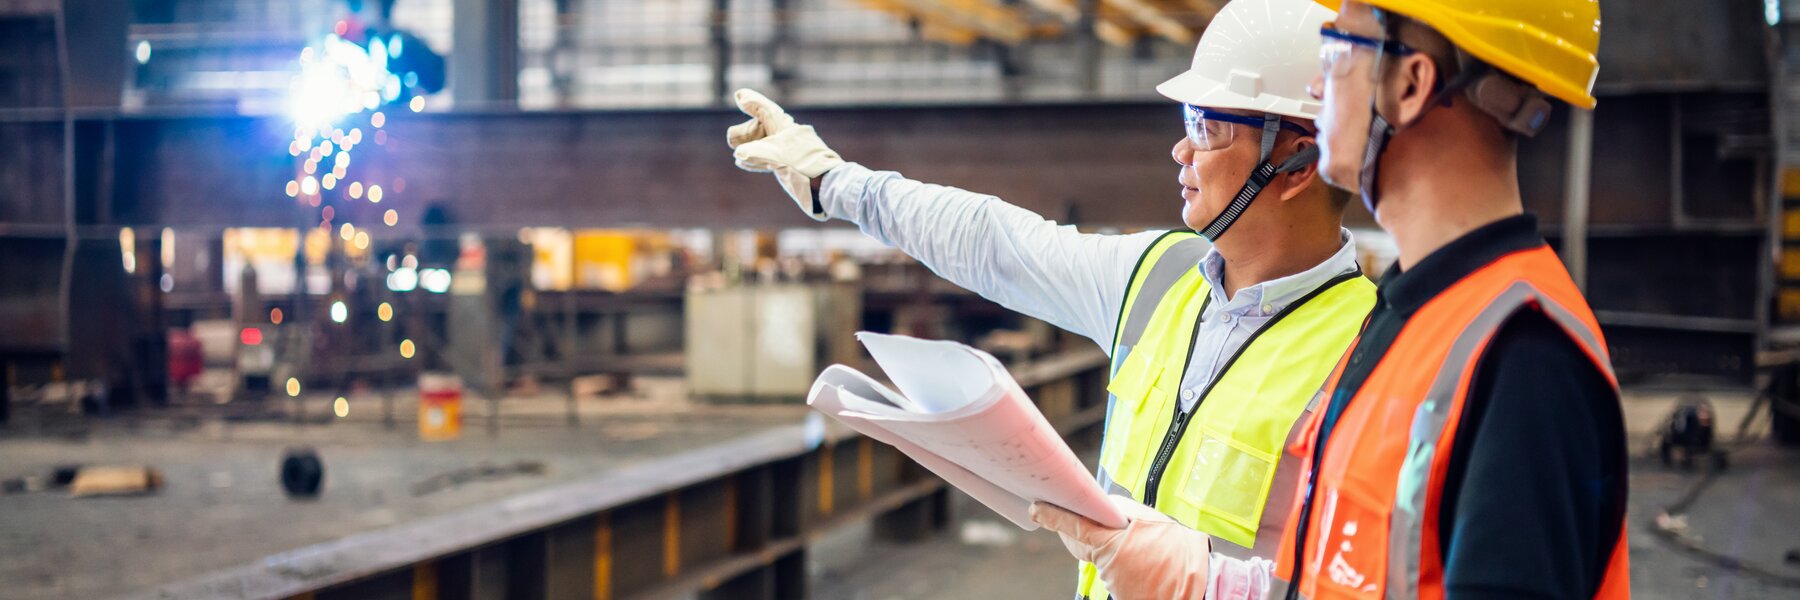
x=1548 y=43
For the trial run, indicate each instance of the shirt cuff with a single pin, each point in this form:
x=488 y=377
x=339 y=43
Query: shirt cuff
x=841 y=193
x=1232 y=579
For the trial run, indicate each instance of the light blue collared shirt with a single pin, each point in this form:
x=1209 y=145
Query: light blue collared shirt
x=1229 y=322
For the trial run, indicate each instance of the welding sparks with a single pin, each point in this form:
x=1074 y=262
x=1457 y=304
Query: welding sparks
x=337 y=80
x=340 y=82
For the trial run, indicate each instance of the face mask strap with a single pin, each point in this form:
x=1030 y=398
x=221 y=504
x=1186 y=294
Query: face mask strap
x=1379 y=128
x=1379 y=132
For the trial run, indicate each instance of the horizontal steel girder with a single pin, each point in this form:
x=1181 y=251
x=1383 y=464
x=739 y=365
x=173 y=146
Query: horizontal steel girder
x=1102 y=164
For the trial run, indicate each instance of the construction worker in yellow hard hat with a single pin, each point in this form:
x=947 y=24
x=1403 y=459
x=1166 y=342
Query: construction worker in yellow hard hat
x=1218 y=348
x=1472 y=445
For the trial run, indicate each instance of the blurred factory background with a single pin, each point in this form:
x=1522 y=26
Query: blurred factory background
x=487 y=264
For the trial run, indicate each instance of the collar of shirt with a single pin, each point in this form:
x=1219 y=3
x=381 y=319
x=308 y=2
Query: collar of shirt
x=1269 y=297
x=1407 y=291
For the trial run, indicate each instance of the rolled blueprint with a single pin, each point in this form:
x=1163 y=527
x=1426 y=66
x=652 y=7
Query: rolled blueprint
x=961 y=415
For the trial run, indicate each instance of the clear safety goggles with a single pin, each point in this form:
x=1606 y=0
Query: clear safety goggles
x=1336 y=47
x=1212 y=130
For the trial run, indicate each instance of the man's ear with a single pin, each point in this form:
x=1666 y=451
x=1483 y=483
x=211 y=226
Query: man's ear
x=1296 y=181
x=1407 y=88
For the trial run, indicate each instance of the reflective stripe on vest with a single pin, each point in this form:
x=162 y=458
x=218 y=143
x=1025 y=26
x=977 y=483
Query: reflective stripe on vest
x=1372 y=532
x=1222 y=462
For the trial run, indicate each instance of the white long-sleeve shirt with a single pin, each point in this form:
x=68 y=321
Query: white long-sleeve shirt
x=1010 y=255
x=1052 y=272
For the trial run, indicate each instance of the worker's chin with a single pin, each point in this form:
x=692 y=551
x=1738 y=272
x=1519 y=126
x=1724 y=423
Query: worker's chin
x=1192 y=213
x=1340 y=164
x=1343 y=175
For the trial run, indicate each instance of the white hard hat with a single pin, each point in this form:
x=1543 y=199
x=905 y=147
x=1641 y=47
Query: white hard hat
x=1256 y=55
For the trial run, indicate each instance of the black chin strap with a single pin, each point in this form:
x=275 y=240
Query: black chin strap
x=1259 y=178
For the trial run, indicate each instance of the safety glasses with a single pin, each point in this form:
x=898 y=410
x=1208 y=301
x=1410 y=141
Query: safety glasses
x=1336 y=46
x=1212 y=130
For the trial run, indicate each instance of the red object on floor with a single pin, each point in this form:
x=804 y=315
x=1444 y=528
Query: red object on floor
x=185 y=359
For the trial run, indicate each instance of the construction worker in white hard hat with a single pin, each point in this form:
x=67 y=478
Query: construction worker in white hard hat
x=1220 y=334
x=1472 y=445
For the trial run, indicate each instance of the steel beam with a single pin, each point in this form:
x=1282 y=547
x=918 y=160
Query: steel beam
x=1678 y=45
x=652 y=168
x=485 y=72
x=96 y=51
x=719 y=35
x=1575 y=194
x=1086 y=26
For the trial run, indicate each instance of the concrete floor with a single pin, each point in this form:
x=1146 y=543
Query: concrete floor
x=227 y=472
x=57 y=547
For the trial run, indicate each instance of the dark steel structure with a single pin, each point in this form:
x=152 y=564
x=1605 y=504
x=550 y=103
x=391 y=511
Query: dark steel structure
x=727 y=520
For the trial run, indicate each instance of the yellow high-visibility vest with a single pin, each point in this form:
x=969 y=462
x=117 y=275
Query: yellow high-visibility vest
x=1215 y=468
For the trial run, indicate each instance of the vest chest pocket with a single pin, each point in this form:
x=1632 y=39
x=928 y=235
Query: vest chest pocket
x=1137 y=392
x=1229 y=480
x=1235 y=441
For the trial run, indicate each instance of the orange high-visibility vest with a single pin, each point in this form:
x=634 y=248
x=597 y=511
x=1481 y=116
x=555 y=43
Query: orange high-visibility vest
x=1371 y=531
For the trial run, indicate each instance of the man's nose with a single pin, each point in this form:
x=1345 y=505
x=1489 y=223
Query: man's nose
x=1183 y=152
x=1316 y=88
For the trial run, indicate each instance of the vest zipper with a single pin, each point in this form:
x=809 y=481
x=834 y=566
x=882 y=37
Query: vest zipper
x=1166 y=451
x=1178 y=428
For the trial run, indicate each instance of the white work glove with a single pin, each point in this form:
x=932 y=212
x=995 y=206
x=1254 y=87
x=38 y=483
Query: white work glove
x=772 y=142
x=1153 y=556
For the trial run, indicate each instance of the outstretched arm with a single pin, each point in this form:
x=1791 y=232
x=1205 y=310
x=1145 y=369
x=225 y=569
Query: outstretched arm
x=1007 y=254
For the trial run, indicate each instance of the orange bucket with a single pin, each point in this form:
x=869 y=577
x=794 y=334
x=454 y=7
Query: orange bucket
x=440 y=407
